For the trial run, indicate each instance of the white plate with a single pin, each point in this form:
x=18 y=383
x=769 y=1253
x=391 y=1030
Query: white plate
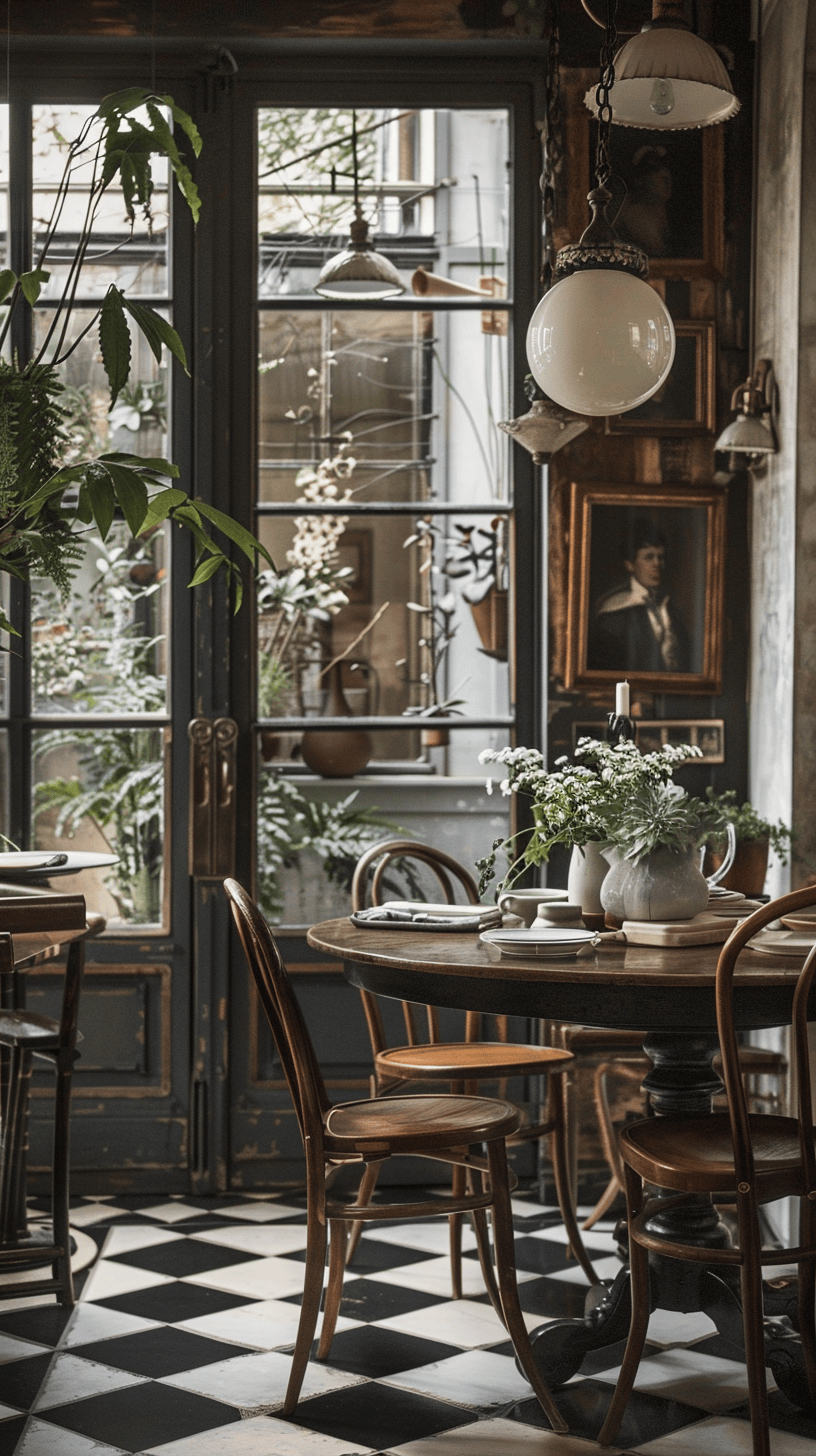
x=783 y=942
x=801 y=920
x=30 y=864
x=558 y=943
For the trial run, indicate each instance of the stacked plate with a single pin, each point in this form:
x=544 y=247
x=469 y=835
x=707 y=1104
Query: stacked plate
x=555 y=943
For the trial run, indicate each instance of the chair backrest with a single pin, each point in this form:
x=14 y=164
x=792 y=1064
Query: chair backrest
x=376 y=861
x=369 y=884
x=734 y=1086
x=289 y=1031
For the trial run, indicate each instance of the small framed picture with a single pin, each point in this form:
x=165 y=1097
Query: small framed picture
x=685 y=403
x=645 y=586
x=652 y=734
x=668 y=198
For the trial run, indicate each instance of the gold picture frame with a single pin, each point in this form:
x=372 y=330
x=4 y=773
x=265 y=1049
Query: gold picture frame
x=685 y=404
x=645 y=586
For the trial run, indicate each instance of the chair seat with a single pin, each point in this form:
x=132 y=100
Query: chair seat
x=471 y=1060
x=390 y=1125
x=29 y=1029
x=696 y=1154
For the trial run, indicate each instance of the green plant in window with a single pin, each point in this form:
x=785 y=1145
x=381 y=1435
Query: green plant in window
x=49 y=489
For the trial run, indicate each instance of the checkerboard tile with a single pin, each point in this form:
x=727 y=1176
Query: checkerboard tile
x=181 y=1343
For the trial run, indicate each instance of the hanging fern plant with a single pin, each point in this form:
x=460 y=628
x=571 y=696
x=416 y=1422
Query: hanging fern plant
x=44 y=502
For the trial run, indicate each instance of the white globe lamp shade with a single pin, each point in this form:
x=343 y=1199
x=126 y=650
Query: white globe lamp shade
x=600 y=342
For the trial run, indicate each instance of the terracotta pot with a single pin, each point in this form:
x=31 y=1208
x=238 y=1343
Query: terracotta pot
x=490 y=616
x=747 y=873
x=336 y=753
x=435 y=737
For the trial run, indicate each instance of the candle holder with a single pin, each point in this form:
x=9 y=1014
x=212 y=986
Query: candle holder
x=619 y=729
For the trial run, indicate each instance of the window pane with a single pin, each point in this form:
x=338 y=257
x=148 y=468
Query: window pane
x=136 y=260
x=104 y=790
x=104 y=650
x=414 y=396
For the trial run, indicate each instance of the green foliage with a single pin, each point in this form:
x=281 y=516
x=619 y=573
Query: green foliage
x=46 y=492
x=748 y=823
x=288 y=823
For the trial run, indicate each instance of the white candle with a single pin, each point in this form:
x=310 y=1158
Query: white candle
x=622 y=700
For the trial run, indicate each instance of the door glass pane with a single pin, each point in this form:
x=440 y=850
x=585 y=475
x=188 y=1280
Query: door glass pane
x=384 y=613
x=103 y=790
x=104 y=649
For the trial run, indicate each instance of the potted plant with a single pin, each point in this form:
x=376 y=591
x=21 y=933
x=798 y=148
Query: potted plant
x=482 y=564
x=578 y=804
x=756 y=836
x=656 y=871
x=50 y=490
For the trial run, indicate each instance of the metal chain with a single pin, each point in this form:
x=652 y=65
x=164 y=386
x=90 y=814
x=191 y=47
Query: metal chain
x=552 y=141
x=603 y=166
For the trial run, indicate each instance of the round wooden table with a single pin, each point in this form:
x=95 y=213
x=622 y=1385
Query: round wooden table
x=668 y=994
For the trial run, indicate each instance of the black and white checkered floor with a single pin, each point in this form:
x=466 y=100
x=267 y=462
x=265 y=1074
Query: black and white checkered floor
x=179 y=1347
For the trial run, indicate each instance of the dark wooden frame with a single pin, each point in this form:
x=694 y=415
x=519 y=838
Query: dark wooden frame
x=702 y=417
x=585 y=497
x=705 y=193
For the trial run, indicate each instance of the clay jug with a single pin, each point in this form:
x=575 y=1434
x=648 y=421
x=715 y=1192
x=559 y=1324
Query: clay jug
x=336 y=753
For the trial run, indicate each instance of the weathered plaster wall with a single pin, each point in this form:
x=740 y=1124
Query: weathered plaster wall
x=782 y=576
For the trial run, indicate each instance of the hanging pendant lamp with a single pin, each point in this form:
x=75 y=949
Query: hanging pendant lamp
x=667 y=78
x=358 y=272
x=601 y=341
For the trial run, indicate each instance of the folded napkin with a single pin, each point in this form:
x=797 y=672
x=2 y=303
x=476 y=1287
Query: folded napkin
x=411 y=916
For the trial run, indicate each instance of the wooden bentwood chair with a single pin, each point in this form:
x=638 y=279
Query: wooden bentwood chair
x=735 y=1156
x=461 y=1064
x=444 y=1127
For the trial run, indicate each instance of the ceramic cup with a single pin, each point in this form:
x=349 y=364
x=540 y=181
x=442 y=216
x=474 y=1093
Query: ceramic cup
x=560 y=913
x=525 y=903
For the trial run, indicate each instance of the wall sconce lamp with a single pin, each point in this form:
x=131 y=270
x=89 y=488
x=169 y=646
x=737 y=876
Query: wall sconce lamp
x=667 y=78
x=750 y=437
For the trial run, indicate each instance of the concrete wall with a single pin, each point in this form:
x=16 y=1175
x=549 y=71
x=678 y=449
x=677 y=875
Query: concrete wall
x=782 y=773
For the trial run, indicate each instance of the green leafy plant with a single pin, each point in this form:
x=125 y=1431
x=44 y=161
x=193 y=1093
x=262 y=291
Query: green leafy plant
x=47 y=494
x=661 y=816
x=288 y=824
x=748 y=823
x=576 y=803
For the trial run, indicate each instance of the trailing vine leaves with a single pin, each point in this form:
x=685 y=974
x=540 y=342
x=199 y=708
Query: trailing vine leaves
x=44 y=502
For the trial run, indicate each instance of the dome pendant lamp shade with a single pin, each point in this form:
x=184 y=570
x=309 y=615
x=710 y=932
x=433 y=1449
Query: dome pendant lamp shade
x=667 y=78
x=601 y=341
x=359 y=272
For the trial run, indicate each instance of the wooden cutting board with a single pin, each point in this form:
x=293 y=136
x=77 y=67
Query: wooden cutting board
x=703 y=929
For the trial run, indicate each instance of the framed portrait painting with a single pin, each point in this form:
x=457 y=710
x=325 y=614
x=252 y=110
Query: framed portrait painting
x=645 y=586
x=685 y=402
x=667 y=188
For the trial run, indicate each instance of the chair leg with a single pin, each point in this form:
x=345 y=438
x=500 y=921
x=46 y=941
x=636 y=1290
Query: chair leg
x=508 y=1288
x=607 y=1198
x=60 y=1187
x=338 y=1258
x=807 y=1294
x=752 y=1319
x=562 y=1183
x=639 y=1324
x=310 y=1308
x=458 y=1185
x=486 y=1260
x=368 y=1183
x=11 y=1146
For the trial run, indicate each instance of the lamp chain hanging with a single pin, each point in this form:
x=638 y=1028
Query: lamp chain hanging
x=603 y=166
x=354 y=165
x=552 y=142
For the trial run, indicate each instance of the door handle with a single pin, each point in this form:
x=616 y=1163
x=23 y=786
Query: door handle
x=212 y=824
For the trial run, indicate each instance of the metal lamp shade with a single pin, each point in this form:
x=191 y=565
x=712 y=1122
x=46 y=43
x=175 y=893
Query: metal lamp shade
x=746 y=435
x=359 y=272
x=669 y=79
x=600 y=342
